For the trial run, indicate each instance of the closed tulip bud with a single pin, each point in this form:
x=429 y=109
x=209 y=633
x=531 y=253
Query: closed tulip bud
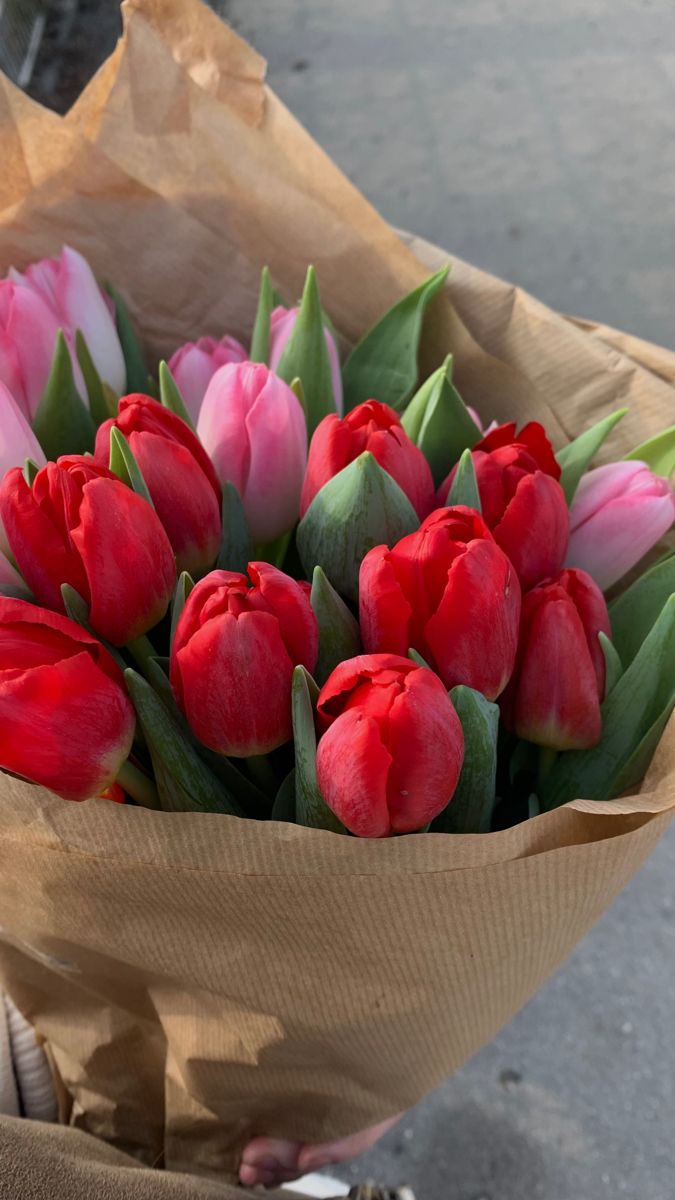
x=66 y=721
x=79 y=524
x=392 y=747
x=194 y=365
x=558 y=683
x=282 y=324
x=521 y=499
x=68 y=287
x=17 y=443
x=450 y=593
x=375 y=428
x=234 y=650
x=619 y=512
x=179 y=474
x=28 y=329
x=254 y=429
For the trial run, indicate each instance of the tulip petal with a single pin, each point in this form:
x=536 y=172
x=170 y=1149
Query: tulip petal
x=352 y=766
x=384 y=611
x=80 y=297
x=534 y=530
x=619 y=534
x=292 y=609
x=38 y=546
x=426 y=743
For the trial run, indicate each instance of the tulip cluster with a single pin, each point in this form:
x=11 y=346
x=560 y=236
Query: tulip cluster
x=180 y=558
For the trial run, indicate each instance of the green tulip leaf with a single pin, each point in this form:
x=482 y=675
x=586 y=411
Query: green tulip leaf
x=658 y=453
x=413 y=416
x=445 y=427
x=417 y=658
x=636 y=766
x=170 y=397
x=123 y=464
x=471 y=808
x=634 y=612
x=62 y=423
x=613 y=665
x=306 y=356
x=533 y=806
x=260 y=340
x=30 y=470
x=575 y=458
x=283 y=808
x=235 y=547
x=98 y=399
x=78 y=610
x=137 y=372
x=384 y=363
x=641 y=697
x=184 y=782
x=357 y=509
x=339 y=636
x=310 y=807
x=183 y=588
x=464 y=487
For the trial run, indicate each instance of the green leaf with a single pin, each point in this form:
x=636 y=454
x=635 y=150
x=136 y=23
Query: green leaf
x=645 y=691
x=78 y=610
x=658 y=453
x=235 y=547
x=123 y=464
x=339 y=636
x=260 y=341
x=183 y=588
x=283 y=808
x=184 y=782
x=137 y=372
x=634 y=612
x=62 y=423
x=464 y=487
x=575 y=458
x=417 y=658
x=471 y=808
x=311 y=808
x=306 y=356
x=441 y=423
x=533 y=805
x=384 y=363
x=298 y=390
x=613 y=666
x=98 y=403
x=170 y=397
x=636 y=766
x=357 y=509
x=30 y=470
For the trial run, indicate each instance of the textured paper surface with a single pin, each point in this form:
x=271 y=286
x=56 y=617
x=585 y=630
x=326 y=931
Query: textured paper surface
x=199 y=978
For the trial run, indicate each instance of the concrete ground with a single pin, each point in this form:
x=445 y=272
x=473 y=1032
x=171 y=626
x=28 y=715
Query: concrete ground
x=536 y=139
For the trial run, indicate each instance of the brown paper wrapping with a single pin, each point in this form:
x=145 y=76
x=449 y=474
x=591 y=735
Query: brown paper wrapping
x=199 y=978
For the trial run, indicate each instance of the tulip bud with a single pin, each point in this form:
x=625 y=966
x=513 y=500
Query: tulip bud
x=392 y=747
x=521 y=499
x=450 y=593
x=17 y=443
x=253 y=427
x=376 y=428
x=68 y=287
x=28 y=329
x=179 y=475
x=79 y=524
x=65 y=720
x=282 y=324
x=194 y=365
x=619 y=512
x=234 y=650
x=558 y=683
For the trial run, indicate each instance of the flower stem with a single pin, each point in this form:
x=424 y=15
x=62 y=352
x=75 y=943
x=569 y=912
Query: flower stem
x=142 y=650
x=545 y=761
x=260 y=770
x=140 y=788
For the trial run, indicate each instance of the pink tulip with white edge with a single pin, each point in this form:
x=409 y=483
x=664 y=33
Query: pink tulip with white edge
x=620 y=511
x=28 y=329
x=194 y=365
x=282 y=324
x=17 y=443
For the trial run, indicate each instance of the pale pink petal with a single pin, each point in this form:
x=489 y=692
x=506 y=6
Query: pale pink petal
x=612 y=541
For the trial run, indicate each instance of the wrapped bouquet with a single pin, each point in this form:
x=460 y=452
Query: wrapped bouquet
x=365 y=564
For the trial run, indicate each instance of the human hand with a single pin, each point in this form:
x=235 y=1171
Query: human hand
x=272 y=1161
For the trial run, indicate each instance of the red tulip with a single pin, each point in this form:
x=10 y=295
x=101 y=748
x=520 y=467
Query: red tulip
x=180 y=477
x=233 y=655
x=65 y=719
x=392 y=750
x=79 y=524
x=558 y=683
x=449 y=592
x=375 y=427
x=522 y=502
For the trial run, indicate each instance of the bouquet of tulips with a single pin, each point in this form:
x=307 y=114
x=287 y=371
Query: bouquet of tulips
x=259 y=582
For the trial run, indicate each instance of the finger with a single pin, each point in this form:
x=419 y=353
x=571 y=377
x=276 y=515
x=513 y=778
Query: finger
x=271 y=1153
x=312 y=1158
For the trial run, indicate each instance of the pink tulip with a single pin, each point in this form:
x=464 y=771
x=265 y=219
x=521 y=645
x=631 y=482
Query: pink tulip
x=17 y=443
x=194 y=365
x=282 y=325
x=254 y=429
x=28 y=328
x=619 y=512
x=476 y=418
x=68 y=286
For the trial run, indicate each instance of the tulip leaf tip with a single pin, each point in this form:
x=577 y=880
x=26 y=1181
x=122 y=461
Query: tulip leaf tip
x=123 y=464
x=170 y=395
x=62 y=423
x=464 y=487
